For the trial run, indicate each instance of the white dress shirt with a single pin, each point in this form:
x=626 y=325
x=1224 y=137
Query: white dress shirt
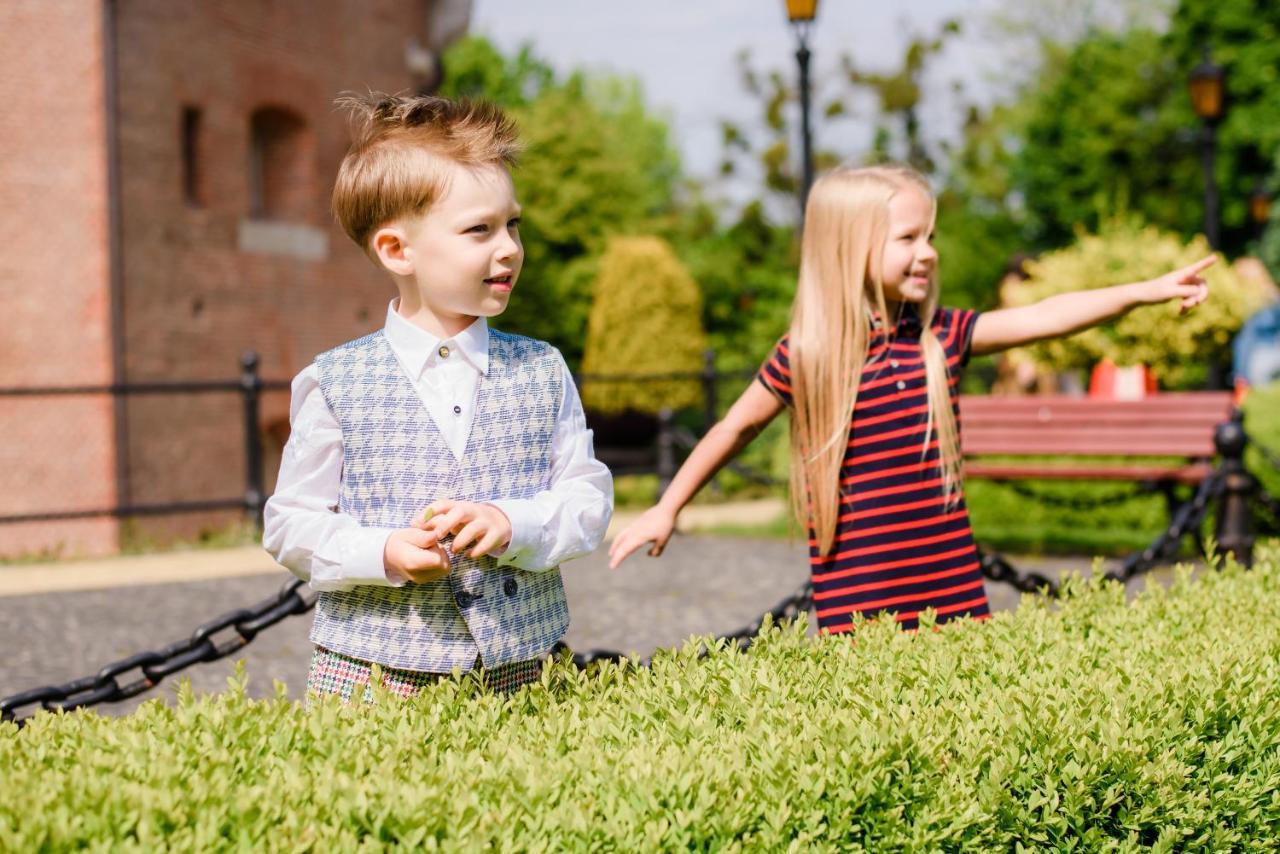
x=302 y=526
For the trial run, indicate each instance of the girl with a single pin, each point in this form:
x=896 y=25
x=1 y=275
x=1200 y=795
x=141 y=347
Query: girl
x=869 y=370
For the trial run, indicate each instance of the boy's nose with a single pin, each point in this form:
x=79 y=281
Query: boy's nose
x=509 y=248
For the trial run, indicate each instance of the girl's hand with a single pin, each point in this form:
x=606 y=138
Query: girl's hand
x=482 y=524
x=655 y=526
x=1186 y=285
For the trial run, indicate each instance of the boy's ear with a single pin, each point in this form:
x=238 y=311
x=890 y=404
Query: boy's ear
x=391 y=246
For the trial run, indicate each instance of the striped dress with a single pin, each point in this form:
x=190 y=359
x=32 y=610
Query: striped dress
x=899 y=548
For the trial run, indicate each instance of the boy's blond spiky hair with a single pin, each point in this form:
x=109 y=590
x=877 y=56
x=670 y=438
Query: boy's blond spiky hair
x=400 y=146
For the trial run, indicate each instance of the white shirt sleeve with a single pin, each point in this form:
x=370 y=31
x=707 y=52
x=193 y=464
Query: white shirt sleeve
x=302 y=528
x=570 y=517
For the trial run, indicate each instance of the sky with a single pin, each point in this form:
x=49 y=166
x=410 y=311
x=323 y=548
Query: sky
x=684 y=52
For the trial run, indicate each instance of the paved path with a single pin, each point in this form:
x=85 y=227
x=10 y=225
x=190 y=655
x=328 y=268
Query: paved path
x=703 y=584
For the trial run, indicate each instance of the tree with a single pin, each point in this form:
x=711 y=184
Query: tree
x=645 y=319
x=1107 y=127
x=1178 y=348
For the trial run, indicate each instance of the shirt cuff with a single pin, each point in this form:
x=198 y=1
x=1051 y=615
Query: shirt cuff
x=363 y=558
x=526 y=527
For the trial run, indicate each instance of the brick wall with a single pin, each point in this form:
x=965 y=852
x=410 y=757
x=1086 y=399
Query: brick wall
x=55 y=453
x=199 y=290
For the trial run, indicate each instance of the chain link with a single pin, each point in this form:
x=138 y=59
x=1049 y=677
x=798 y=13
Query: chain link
x=203 y=645
x=996 y=568
x=1186 y=520
x=1075 y=503
x=788 y=609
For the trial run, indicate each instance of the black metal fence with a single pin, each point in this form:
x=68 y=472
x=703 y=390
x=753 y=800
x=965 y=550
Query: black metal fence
x=657 y=454
x=249 y=386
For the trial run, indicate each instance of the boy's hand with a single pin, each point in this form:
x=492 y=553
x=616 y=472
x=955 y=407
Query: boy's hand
x=416 y=555
x=482 y=524
x=655 y=526
x=1186 y=285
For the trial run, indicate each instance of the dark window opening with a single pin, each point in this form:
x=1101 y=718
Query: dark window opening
x=280 y=173
x=192 y=178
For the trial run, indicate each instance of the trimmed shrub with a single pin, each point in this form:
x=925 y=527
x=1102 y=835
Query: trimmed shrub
x=646 y=318
x=1087 y=723
x=1178 y=348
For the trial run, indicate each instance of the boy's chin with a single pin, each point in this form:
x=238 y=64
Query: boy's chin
x=492 y=306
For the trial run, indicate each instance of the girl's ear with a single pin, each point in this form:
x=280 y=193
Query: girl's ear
x=391 y=246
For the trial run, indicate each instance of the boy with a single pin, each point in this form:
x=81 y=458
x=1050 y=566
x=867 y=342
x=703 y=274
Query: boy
x=438 y=471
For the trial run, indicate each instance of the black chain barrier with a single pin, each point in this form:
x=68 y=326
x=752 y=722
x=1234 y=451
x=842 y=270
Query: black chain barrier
x=788 y=609
x=104 y=686
x=996 y=568
x=1069 y=503
x=1186 y=520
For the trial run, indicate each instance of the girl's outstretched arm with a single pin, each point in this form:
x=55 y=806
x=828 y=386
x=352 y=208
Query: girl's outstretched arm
x=750 y=414
x=1066 y=314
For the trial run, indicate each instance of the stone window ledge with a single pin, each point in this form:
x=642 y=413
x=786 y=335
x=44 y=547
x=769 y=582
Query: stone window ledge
x=291 y=239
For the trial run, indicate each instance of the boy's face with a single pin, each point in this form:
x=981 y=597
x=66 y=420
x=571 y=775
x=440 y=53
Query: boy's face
x=465 y=250
x=909 y=260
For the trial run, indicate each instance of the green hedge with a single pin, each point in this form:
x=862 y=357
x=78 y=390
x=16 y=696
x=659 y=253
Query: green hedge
x=1091 y=724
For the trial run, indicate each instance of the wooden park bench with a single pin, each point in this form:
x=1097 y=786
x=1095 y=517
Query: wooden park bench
x=1172 y=425
x=1162 y=442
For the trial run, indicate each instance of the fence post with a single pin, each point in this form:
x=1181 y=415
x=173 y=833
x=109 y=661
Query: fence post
x=710 y=404
x=1233 y=504
x=251 y=388
x=666 y=449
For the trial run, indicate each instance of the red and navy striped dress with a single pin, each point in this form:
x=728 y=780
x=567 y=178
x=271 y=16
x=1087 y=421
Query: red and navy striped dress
x=899 y=547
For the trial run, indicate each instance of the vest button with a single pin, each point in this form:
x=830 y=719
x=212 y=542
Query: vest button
x=901 y=385
x=466 y=598
x=509 y=587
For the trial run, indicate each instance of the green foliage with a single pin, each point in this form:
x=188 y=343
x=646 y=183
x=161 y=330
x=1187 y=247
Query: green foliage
x=974 y=248
x=1097 y=143
x=596 y=164
x=1262 y=421
x=747 y=273
x=1104 y=123
x=1177 y=347
x=646 y=318
x=1087 y=724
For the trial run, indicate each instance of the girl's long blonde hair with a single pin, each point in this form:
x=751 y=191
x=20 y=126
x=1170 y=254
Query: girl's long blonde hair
x=846 y=225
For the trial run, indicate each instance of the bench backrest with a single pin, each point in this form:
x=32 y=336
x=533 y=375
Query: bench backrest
x=1167 y=424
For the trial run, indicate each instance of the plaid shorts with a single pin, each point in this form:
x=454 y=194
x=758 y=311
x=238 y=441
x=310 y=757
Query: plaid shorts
x=334 y=673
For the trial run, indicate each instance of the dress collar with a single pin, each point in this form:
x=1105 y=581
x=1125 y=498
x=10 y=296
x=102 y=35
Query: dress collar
x=908 y=321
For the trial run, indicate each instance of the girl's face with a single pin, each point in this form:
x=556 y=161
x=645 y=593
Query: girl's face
x=909 y=260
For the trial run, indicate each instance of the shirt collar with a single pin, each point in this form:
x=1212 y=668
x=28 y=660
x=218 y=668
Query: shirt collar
x=419 y=350
x=908 y=321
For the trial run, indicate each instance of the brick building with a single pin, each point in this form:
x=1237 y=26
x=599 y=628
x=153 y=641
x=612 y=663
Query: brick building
x=165 y=175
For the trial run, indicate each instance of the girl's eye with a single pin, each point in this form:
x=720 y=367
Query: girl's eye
x=514 y=222
x=478 y=229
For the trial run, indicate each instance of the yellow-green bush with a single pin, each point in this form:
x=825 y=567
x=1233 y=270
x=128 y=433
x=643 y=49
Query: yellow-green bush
x=646 y=318
x=1087 y=724
x=1177 y=347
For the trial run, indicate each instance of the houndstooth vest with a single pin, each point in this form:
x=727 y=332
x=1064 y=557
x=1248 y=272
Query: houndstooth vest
x=395 y=462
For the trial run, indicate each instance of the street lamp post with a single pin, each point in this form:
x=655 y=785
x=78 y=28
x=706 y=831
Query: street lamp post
x=801 y=14
x=1205 y=83
x=1259 y=207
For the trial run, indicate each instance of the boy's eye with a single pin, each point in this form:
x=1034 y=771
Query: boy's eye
x=478 y=229
x=514 y=222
